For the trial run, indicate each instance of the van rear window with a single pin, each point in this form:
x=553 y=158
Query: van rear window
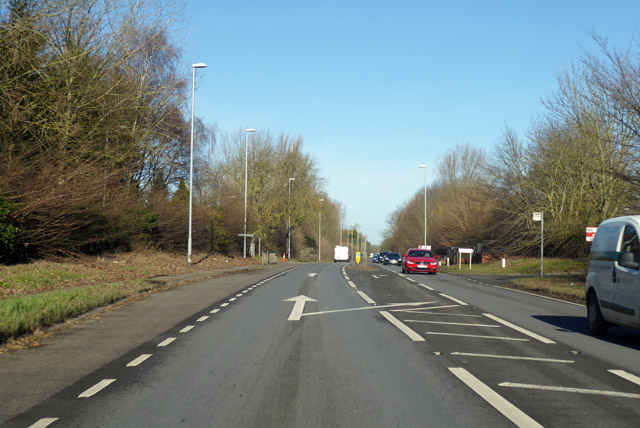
x=605 y=243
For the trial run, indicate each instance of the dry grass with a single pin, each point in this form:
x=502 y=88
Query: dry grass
x=569 y=287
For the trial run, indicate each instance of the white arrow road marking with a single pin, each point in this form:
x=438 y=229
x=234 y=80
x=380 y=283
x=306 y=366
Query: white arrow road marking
x=96 y=388
x=44 y=422
x=574 y=390
x=298 y=306
x=515 y=415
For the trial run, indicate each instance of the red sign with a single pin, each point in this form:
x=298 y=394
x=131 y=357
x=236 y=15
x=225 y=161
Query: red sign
x=591 y=233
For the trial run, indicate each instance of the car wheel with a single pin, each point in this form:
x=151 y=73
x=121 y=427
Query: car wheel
x=597 y=325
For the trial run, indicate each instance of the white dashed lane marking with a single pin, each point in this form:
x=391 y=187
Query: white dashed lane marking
x=215 y=311
x=203 y=318
x=96 y=388
x=187 y=328
x=43 y=423
x=453 y=299
x=139 y=360
x=166 y=342
x=520 y=329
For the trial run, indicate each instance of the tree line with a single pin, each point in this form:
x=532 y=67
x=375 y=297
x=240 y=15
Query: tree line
x=578 y=163
x=95 y=143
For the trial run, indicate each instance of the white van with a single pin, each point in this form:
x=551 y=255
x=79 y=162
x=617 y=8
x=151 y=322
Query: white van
x=613 y=282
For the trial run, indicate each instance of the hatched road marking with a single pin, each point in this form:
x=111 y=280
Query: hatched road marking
x=520 y=329
x=402 y=327
x=512 y=357
x=574 y=390
x=626 y=376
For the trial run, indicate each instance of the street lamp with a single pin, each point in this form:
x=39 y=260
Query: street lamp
x=193 y=97
x=246 y=175
x=425 y=202
x=289 y=225
x=320 y=229
x=341 y=215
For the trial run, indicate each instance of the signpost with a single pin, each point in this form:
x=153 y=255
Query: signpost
x=464 y=251
x=539 y=216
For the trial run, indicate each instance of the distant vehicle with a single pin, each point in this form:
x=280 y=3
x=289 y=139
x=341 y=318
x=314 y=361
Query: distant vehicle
x=340 y=254
x=381 y=256
x=613 y=281
x=376 y=257
x=419 y=260
x=370 y=255
x=392 y=259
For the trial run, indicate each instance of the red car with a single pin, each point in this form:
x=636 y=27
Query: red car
x=419 y=260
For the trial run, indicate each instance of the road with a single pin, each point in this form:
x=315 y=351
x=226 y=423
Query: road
x=328 y=345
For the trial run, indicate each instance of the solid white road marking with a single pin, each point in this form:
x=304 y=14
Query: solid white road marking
x=515 y=415
x=392 y=305
x=520 y=329
x=376 y=276
x=166 y=341
x=628 y=376
x=187 y=328
x=352 y=284
x=476 y=336
x=418 y=311
x=426 y=286
x=444 y=313
x=574 y=390
x=454 y=323
x=298 y=306
x=366 y=298
x=513 y=357
x=96 y=388
x=203 y=318
x=453 y=299
x=43 y=423
x=402 y=327
x=215 y=311
x=138 y=360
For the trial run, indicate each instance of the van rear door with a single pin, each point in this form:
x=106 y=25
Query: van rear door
x=626 y=281
x=602 y=261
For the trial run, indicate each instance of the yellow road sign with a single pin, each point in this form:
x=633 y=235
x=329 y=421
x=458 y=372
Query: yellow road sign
x=358 y=257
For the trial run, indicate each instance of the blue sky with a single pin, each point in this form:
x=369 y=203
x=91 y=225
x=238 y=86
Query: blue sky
x=377 y=87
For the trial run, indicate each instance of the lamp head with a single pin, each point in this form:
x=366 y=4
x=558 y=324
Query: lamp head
x=199 y=65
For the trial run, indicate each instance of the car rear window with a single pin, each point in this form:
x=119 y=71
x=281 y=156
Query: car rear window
x=420 y=253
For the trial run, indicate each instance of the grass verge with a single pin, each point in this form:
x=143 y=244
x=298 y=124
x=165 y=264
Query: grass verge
x=565 y=287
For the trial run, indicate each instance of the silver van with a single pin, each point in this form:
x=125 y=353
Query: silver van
x=613 y=282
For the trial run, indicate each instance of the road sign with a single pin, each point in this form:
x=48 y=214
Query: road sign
x=537 y=216
x=358 y=257
x=591 y=233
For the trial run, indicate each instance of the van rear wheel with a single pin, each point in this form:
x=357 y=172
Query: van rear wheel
x=597 y=325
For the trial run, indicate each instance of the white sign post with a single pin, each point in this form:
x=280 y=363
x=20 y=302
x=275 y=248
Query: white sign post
x=464 y=251
x=540 y=217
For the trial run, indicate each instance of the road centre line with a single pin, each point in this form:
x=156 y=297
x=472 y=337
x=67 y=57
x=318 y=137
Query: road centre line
x=224 y=305
x=520 y=329
x=439 y=333
x=411 y=279
x=574 y=390
x=455 y=323
x=626 y=376
x=215 y=311
x=402 y=327
x=187 y=328
x=453 y=299
x=347 y=278
x=426 y=286
x=166 y=341
x=203 y=318
x=392 y=305
x=138 y=360
x=233 y=299
x=43 y=423
x=366 y=298
x=513 y=357
x=352 y=284
x=96 y=388
x=511 y=412
x=239 y=295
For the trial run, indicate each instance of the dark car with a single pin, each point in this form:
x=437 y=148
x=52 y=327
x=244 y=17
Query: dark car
x=381 y=256
x=392 y=259
x=376 y=258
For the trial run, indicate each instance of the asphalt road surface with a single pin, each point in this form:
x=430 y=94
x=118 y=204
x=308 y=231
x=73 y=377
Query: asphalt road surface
x=325 y=345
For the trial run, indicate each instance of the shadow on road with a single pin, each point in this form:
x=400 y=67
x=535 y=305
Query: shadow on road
x=622 y=336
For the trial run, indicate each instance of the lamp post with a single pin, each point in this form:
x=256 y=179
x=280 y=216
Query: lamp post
x=246 y=175
x=193 y=97
x=320 y=229
x=289 y=225
x=341 y=215
x=425 y=202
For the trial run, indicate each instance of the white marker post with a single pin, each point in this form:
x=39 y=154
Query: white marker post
x=539 y=216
